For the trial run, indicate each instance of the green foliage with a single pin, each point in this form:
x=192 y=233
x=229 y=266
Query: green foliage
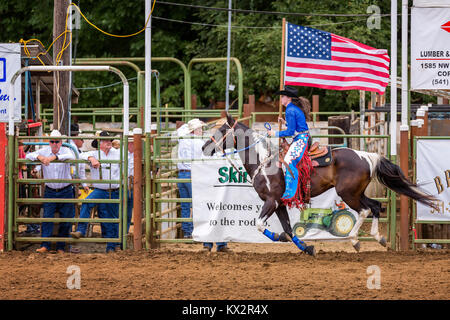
x=256 y=42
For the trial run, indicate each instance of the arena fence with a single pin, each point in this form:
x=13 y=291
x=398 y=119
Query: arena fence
x=14 y=181
x=15 y=219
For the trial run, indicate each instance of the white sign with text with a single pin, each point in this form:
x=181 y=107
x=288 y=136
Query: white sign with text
x=9 y=65
x=430 y=48
x=226 y=206
x=433 y=175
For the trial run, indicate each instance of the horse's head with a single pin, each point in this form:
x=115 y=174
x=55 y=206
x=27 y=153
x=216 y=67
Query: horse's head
x=222 y=139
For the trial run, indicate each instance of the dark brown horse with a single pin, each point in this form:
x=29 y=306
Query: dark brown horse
x=350 y=173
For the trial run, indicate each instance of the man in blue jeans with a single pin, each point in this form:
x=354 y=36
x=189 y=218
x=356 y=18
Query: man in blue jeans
x=109 y=171
x=191 y=149
x=54 y=190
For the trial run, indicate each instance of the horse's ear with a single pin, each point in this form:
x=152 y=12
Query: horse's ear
x=230 y=119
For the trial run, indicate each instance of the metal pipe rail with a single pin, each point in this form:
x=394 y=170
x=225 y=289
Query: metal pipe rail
x=12 y=142
x=239 y=71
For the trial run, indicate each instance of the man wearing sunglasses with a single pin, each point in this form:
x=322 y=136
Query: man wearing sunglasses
x=55 y=190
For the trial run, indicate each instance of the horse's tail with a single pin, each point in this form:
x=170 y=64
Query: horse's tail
x=390 y=175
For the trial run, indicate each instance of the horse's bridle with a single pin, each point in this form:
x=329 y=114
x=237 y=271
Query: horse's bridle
x=217 y=143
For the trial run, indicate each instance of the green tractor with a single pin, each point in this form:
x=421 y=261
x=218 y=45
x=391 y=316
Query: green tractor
x=338 y=222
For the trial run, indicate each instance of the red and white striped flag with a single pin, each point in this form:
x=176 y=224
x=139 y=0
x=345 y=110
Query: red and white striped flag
x=315 y=58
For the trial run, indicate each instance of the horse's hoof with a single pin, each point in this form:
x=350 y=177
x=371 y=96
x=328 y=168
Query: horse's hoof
x=311 y=251
x=357 y=246
x=284 y=237
x=383 y=241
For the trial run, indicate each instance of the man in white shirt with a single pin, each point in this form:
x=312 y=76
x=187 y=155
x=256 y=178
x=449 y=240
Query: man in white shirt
x=64 y=190
x=188 y=149
x=109 y=171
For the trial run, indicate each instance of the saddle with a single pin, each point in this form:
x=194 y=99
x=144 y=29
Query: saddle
x=320 y=155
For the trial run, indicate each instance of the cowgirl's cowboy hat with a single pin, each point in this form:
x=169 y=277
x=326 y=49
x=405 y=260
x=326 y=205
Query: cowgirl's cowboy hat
x=288 y=91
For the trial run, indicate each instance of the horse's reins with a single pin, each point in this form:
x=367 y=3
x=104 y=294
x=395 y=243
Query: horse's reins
x=217 y=144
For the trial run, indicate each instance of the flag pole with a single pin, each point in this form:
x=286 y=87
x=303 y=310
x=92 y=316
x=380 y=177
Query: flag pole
x=280 y=107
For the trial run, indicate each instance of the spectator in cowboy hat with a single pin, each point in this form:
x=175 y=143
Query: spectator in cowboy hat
x=109 y=171
x=55 y=190
x=191 y=149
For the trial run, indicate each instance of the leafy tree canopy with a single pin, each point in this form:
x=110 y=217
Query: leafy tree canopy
x=187 y=32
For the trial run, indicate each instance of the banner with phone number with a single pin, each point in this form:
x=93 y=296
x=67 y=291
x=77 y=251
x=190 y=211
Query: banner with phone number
x=430 y=48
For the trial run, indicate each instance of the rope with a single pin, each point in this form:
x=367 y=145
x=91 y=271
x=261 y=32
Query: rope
x=246 y=148
x=106 y=86
x=267 y=12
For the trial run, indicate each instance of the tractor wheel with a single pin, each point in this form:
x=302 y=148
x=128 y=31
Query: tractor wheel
x=300 y=229
x=342 y=223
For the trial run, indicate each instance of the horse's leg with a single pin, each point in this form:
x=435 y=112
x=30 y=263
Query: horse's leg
x=375 y=207
x=267 y=210
x=286 y=236
x=353 y=199
x=283 y=216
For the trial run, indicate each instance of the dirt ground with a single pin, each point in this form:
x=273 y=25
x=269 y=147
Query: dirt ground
x=250 y=272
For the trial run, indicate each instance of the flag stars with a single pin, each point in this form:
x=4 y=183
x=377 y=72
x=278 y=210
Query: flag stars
x=308 y=43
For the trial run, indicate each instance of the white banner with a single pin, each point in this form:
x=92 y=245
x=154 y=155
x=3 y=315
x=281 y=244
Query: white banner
x=431 y=3
x=433 y=175
x=9 y=64
x=430 y=48
x=226 y=207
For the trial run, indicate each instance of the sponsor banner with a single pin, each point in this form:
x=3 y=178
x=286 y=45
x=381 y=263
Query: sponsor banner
x=430 y=48
x=226 y=207
x=9 y=65
x=431 y=3
x=433 y=175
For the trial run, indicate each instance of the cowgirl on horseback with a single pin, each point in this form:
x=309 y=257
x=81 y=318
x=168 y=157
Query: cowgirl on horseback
x=297 y=113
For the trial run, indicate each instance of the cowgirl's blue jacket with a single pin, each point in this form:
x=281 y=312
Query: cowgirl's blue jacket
x=295 y=121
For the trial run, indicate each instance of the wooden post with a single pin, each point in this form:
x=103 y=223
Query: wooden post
x=61 y=80
x=315 y=107
x=249 y=108
x=342 y=122
x=425 y=120
x=137 y=190
x=362 y=106
x=404 y=201
x=193 y=102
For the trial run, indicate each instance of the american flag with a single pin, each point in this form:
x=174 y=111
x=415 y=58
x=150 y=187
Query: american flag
x=315 y=58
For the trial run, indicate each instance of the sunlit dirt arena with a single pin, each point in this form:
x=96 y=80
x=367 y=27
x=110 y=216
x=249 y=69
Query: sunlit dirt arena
x=251 y=271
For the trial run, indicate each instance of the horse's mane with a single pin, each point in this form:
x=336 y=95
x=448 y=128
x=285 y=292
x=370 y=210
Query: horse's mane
x=265 y=148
